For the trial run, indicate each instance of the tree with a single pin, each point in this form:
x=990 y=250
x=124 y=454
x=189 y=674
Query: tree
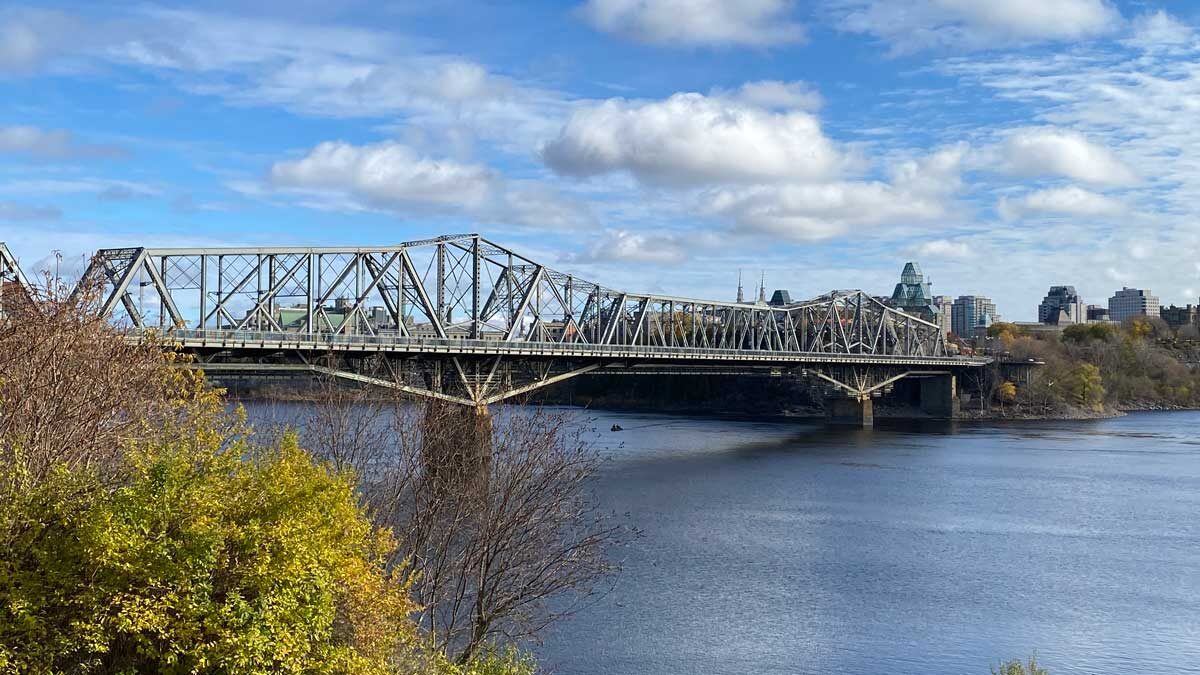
x=1085 y=386
x=142 y=531
x=496 y=520
x=72 y=389
x=1007 y=332
x=1082 y=333
x=1007 y=392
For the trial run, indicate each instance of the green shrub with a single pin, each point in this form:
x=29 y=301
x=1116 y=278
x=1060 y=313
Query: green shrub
x=1018 y=668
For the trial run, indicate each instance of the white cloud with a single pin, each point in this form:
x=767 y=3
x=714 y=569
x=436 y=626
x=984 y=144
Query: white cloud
x=815 y=212
x=626 y=246
x=37 y=143
x=1063 y=152
x=913 y=25
x=384 y=175
x=691 y=139
x=1159 y=30
x=943 y=248
x=393 y=177
x=755 y=23
x=775 y=94
x=918 y=193
x=935 y=173
x=1069 y=201
x=314 y=69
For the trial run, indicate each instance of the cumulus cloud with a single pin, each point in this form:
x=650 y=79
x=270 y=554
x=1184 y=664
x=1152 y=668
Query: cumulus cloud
x=779 y=95
x=390 y=176
x=626 y=246
x=919 y=192
x=822 y=211
x=1063 y=152
x=913 y=25
x=384 y=175
x=1070 y=201
x=37 y=143
x=755 y=23
x=944 y=249
x=692 y=139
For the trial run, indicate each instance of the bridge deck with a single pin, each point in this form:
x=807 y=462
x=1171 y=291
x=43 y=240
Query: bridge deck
x=325 y=342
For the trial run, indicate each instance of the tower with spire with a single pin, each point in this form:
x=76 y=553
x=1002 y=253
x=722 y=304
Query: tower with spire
x=740 y=296
x=762 y=289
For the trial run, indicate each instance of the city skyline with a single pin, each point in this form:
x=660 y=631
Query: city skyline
x=823 y=144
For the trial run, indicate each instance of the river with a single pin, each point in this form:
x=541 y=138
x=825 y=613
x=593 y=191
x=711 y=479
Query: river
x=789 y=547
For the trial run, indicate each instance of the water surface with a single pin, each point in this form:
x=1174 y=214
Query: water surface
x=788 y=547
x=792 y=548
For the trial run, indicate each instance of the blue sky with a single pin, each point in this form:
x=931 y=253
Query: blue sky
x=657 y=145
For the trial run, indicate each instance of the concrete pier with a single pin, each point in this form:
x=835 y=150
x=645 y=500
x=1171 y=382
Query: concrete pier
x=457 y=443
x=848 y=411
x=939 y=396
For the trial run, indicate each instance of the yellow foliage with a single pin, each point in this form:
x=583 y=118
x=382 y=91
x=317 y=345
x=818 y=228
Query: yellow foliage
x=210 y=556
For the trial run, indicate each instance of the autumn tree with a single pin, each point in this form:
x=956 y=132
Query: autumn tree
x=141 y=530
x=1085 y=386
x=494 y=516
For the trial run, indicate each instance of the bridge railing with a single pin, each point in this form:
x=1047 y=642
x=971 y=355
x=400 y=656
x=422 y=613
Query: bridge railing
x=477 y=346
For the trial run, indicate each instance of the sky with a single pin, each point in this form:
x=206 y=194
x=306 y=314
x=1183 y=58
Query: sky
x=650 y=145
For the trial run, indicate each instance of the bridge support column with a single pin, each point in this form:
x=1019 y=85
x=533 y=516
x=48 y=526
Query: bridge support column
x=457 y=443
x=850 y=411
x=939 y=396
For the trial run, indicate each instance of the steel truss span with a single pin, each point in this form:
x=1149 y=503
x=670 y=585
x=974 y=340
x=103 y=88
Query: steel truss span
x=13 y=283
x=461 y=318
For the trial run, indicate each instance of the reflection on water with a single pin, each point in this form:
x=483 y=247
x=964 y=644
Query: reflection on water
x=937 y=548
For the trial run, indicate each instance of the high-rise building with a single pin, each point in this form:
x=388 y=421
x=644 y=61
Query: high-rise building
x=1130 y=302
x=1062 y=305
x=912 y=294
x=1097 y=313
x=970 y=313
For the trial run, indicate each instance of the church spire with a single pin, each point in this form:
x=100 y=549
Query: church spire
x=740 y=295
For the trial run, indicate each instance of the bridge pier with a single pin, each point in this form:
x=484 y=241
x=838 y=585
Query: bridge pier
x=457 y=443
x=939 y=396
x=857 y=411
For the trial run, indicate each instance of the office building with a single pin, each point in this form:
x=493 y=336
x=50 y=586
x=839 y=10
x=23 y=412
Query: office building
x=1097 y=313
x=1062 y=306
x=1130 y=302
x=969 y=313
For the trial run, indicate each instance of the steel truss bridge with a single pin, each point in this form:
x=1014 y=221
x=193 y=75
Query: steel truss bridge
x=462 y=319
x=13 y=284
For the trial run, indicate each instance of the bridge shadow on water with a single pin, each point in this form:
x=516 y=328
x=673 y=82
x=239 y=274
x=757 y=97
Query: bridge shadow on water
x=817 y=438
